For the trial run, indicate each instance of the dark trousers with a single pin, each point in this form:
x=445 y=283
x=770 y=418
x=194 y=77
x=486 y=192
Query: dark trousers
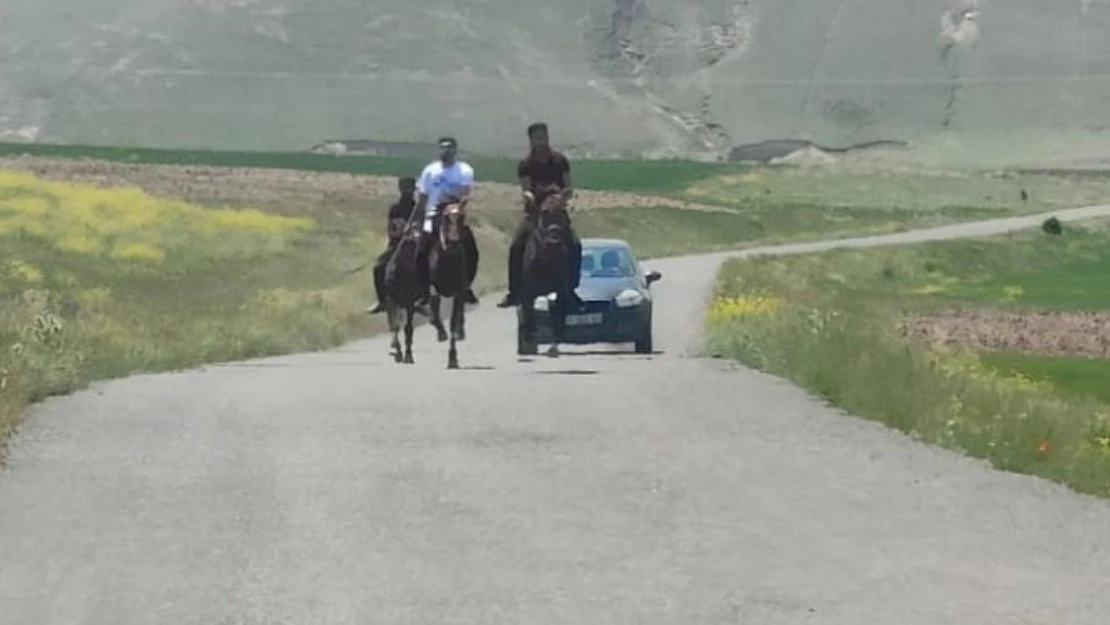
x=516 y=255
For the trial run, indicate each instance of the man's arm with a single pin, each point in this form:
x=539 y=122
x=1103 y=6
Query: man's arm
x=522 y=174
x=525 y=181
x=568 y=184
x=467 y=185
x=421 y=194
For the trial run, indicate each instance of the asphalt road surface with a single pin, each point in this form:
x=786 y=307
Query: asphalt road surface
x=339 y=487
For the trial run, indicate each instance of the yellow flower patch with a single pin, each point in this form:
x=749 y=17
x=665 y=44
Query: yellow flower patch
x=730 y=308
x=127 y=223
x=25 y=272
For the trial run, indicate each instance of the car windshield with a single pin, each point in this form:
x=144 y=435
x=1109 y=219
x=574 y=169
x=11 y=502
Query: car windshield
x=607 y=262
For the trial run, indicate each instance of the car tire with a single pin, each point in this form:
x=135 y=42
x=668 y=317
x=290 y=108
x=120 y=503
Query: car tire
x=644 y=345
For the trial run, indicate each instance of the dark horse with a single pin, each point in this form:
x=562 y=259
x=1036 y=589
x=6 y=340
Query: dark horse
x=451 y=270
x=402 y=288
x=544 y=271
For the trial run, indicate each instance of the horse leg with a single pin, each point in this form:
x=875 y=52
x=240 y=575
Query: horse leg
x=459 y=327
x=557 y=313
x=437 y=319
x=457 y=306
x=394 y=328
x=410 y=312
x=526 y=326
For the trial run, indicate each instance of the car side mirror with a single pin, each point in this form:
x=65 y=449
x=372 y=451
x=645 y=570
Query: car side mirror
x=652 y=276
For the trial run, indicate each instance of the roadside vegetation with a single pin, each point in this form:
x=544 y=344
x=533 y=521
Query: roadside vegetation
x=996 y=347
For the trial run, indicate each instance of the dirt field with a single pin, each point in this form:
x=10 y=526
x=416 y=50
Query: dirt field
x=280 y=186
x=1048 y=333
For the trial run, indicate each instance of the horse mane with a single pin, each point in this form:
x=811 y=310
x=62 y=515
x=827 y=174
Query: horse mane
x=548 y=193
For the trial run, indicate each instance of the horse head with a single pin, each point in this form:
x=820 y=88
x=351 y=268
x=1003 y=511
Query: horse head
x=409 y=242
x=451 y=228
x=552 y=222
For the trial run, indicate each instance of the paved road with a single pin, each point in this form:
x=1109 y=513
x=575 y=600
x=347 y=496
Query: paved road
x=337 y=488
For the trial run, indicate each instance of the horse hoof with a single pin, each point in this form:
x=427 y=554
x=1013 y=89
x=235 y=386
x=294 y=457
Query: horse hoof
x=409 y=360
x=553 y=352
x=460 y=335
x=452 y=364
x=441 y=336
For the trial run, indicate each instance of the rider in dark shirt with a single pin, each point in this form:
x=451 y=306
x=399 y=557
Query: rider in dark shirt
x=542 y=167
x=401 y=209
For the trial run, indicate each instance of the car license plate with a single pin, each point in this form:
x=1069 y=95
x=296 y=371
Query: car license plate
x=584 y=320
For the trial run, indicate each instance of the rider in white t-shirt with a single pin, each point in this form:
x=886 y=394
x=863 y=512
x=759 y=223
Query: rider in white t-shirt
x=443 y=182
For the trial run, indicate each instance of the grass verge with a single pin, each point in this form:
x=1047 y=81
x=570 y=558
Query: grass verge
x=833 y=323
x=1069 y=374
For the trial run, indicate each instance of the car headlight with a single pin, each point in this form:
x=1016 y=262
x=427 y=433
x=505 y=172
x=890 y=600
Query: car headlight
x=542 y=304
x=629 y=298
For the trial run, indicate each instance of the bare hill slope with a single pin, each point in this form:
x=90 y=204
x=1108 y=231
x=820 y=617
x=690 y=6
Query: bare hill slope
x=612 y=76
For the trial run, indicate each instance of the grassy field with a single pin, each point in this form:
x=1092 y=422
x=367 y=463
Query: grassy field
x=996 y=347
x=661 y=176
x=901 y=194
x=1070 y=374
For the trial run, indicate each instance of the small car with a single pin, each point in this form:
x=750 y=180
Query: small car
x=617 y=293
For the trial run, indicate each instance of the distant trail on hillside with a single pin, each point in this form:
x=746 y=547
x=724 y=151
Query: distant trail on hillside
x=765 y=151
x=1005 y=82
x=640 y=47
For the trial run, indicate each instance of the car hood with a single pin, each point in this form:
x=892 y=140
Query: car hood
x=605 y=288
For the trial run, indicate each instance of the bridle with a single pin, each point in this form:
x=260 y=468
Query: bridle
x=453 y=217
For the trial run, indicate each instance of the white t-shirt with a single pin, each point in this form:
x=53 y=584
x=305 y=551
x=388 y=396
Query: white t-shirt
x=441 y=183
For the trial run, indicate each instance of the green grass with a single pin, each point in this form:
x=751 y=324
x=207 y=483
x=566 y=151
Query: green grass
x=666 y=231
x=1030 y=270
x=901 y=192
x=835 y=331
x=657 y=176
x=1073 y=375
x=1067 y=277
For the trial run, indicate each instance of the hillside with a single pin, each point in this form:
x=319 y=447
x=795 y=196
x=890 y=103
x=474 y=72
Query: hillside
x=1022 y=80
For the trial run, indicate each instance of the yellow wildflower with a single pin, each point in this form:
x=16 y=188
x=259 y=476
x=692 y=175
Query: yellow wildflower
x=1103 y=444
x=89 y=220
x=729 y=308
x=94 y=298
x=25 y=271
x=138 y=251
